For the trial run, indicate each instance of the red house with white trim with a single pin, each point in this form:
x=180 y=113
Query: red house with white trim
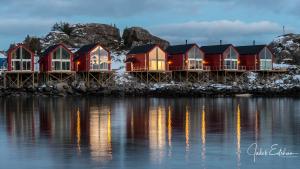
x=57 y=58
x=221 y=57
x=20 y=59
x=256 y=57
x=92 y=58
x=185 y=57
x=149 y=57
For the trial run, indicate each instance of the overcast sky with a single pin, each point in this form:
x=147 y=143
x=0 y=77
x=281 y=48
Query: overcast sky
x=201 y=21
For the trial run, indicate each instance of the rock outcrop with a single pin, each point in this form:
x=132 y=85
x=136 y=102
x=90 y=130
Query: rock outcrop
x=137 y=36
x=287 y=48
x=109 y=36
x=82 y=34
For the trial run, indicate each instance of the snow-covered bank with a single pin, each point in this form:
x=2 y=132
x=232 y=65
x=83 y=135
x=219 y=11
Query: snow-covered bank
x=127 y=85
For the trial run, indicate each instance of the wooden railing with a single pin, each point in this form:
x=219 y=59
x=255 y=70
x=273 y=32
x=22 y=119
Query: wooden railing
x=178 y=68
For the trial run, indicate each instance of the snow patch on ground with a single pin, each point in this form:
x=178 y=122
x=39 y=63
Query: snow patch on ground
x=283 y=66
x=296 y=77
x=118 y=59
x=252 y=77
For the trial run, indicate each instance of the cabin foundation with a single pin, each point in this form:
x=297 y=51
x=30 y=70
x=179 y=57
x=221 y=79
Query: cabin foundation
x=191 y=76
x=20 y=79
x=58 y=77
x=99 y=78
x=152 y=76
x=227 y=76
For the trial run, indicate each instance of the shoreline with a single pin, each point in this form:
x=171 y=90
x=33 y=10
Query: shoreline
x=160 y=92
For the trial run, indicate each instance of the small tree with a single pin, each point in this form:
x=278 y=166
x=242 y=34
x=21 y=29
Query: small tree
x=33 y=43
x=63 y=27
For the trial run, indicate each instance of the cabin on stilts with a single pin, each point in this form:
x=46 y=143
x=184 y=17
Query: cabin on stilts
x=223 y=61
x=20 y=67
x=56 y=64
x=148 y=63
x=187 y=62
x=93 y=64
x=256 y=57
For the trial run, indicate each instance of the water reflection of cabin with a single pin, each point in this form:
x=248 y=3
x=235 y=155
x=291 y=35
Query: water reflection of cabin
x=57 y=62
x=185 y=57
x=256 y=57
x=20 y=67
x=146 y=58
x=221 y=57
x=92 y=57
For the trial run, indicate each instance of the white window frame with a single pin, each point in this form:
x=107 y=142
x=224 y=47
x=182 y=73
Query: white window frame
x=101 y=60
x=60 y=61
x=21 y=61
x=263 y=61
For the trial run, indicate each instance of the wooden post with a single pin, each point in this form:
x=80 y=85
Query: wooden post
x=4 y=81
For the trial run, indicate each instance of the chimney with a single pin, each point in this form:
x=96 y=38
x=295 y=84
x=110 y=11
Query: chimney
x=254 y=43
x=221 y=42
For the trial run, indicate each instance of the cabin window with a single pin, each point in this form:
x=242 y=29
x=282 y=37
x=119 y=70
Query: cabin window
x=230 y=64
x=21 y=60
x=99 y=59
x=195 y=57
x=231 y=61
x=232 y=54
x=265 y=59
x=157 y=59
x=157 y=65
x=61 y=60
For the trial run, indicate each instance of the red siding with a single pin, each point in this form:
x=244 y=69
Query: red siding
x=248 y=61
x=9 y=57
x=214 y=61
x=140 y=62
x=177 y=61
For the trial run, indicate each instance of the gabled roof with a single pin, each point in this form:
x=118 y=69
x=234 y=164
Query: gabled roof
x=179 y=49
x=215 y=49
x=250 y=50
x=50 y=49
x=141 y=49
x=86 y=48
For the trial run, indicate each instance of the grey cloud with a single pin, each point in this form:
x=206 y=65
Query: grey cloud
x=213 y=31
x=120 y=8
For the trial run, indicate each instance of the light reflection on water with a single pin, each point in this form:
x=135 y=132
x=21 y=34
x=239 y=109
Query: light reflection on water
x=146 y=132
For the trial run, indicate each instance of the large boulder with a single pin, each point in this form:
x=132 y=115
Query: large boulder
x=135 y=36
x=287 y=48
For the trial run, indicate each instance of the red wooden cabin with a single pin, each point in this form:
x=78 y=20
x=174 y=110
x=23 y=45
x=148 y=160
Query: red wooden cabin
x=57 y=58
x=221 y=57
x=92 y=58
x=256 y=57
x=185 y=57
x=146 y=58
x=20 y=59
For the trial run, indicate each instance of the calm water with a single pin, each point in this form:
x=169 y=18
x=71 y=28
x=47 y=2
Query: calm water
x=147 y=132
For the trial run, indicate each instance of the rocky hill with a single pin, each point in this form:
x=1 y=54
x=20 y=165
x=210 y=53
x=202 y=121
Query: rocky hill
x=287 y=48
x=136 y=36
x=82 y=34
x=75 y=36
